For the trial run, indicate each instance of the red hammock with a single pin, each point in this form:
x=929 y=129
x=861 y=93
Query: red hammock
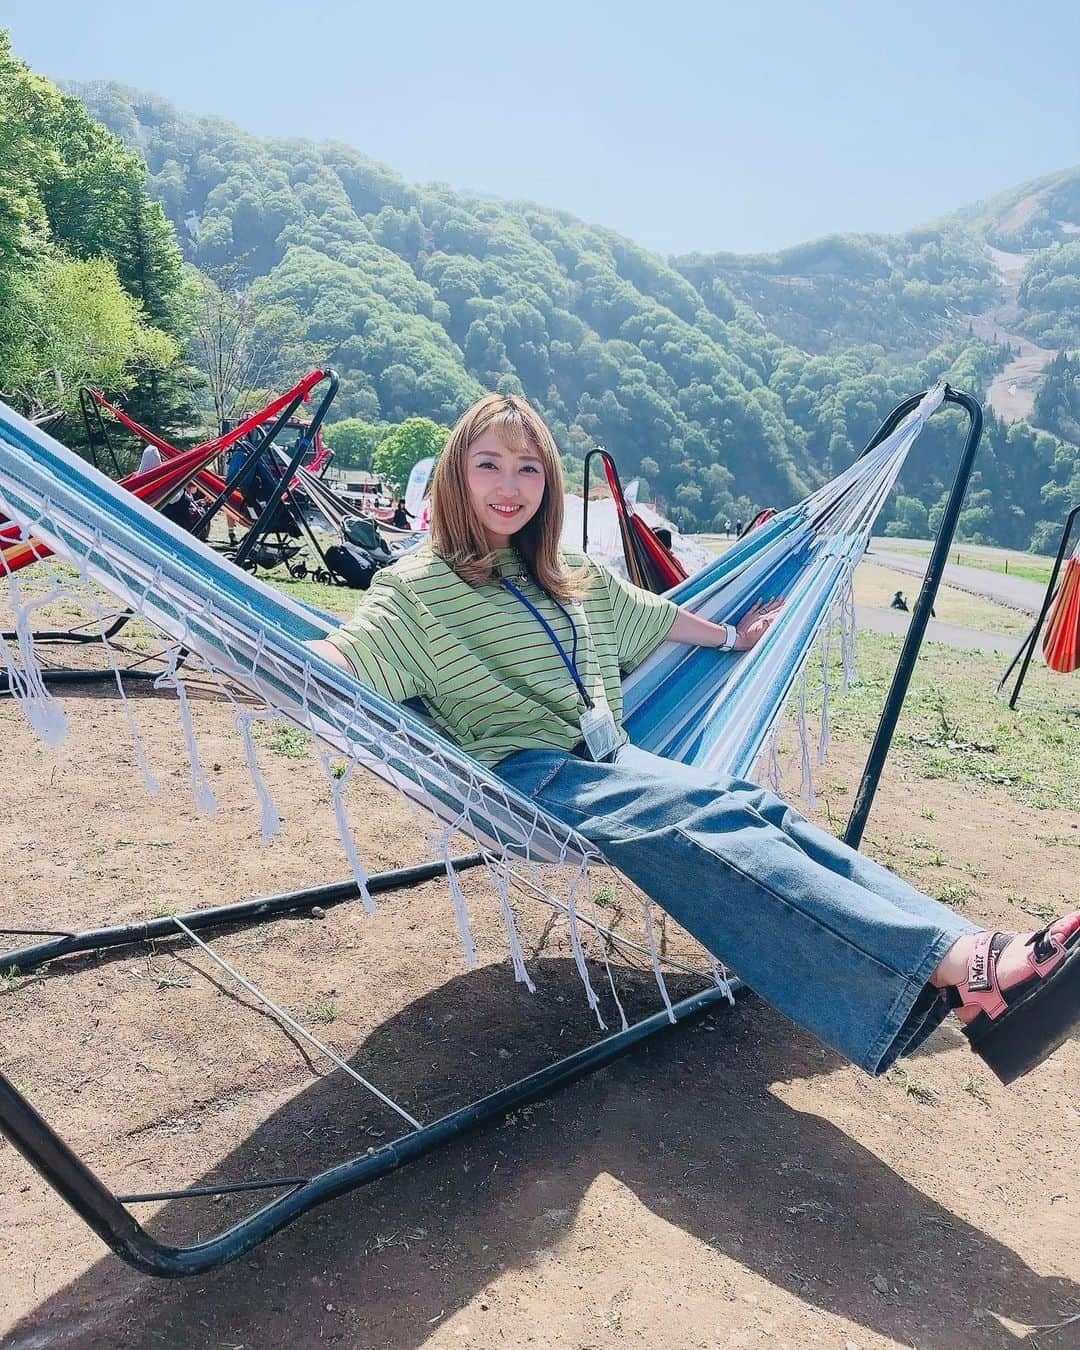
x=649 y=563
x=213 y=482
x=759 y=519
x=1061 y=637
x=155 y=486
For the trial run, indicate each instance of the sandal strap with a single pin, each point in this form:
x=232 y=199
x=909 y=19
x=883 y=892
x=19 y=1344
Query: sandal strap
x=981 y=989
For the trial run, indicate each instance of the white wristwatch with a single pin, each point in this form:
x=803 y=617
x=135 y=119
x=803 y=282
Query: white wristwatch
x=731 y=636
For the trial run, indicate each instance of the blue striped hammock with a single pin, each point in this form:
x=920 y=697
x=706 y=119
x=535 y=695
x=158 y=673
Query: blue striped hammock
x=694 y=705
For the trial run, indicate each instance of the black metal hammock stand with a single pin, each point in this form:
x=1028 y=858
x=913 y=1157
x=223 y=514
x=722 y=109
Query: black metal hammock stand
x=108 y=1213
x=1029 y=644
x=276 y=507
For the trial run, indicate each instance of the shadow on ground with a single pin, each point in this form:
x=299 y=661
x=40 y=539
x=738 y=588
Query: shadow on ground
x=688 y=1124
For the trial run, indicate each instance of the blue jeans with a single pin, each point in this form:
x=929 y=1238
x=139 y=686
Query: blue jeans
x=826 y=935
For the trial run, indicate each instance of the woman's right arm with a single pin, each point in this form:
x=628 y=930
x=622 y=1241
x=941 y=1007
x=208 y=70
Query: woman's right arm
x=385 y=644
x=333 y=654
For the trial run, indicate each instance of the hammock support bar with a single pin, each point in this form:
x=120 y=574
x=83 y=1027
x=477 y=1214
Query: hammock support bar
x=909 y=653
x=99 y=1207
x=241 y=914
x=97 y=433
x=1027 y=647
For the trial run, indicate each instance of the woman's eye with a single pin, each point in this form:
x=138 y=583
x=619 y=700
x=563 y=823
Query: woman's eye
x=530 y=468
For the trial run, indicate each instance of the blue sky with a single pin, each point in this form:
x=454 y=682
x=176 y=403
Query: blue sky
x=686 y=126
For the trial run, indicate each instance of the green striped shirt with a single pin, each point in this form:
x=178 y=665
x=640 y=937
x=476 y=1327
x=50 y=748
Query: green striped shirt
x=484 y=667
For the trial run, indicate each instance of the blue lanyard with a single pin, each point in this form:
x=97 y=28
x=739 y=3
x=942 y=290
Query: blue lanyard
x=570 y=662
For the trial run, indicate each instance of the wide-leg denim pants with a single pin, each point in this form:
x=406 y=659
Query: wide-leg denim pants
x=830 y=938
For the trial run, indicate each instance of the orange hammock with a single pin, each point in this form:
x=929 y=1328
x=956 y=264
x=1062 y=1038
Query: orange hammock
x=1061 y=638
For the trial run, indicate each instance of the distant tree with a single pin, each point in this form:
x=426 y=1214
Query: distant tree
x=89 y=269
x=414 y=439
x=909 y=521
x=233 y=342
x=353 y=442
x=77 y=325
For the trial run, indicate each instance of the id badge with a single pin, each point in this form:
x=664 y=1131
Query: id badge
x=599 y=732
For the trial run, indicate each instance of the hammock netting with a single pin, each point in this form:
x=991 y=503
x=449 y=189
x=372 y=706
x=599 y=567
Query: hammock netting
x=716 y=710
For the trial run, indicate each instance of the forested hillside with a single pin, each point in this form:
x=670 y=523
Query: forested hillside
x=90 y=273
x=726 y=382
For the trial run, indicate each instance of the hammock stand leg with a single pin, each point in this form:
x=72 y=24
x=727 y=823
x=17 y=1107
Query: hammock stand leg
x=106 y=1212
x=243 y=914
x=62 y=675
x=97 y=434
x=103 y=1210
x=1027 y=647
x=909 y=653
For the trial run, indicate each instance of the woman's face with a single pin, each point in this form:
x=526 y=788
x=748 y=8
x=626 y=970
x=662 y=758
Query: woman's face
x=506 y=486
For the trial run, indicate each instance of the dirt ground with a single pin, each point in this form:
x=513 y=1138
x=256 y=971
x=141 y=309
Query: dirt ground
x=732 y=1183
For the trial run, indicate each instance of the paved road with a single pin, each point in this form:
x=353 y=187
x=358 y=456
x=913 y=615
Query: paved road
x=1014 y=592
x=950 y=634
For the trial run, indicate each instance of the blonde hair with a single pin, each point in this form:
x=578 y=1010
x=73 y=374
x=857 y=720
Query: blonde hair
x=456 y=533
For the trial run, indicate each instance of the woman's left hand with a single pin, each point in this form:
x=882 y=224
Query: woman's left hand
x=755 y=623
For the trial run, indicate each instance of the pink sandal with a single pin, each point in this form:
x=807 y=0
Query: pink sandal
x=1018 y=1027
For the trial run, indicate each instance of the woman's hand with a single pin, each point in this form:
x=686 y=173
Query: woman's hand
x=755 y=623
x=751 y=628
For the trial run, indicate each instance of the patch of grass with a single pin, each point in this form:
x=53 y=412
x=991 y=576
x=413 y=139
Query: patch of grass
x=9 y=980
x=875 y=585
x=927 y=813
x=281 y=738
x=953 y=725
x=338 y=600
x=1043 y=910
x=604 y=895
x=1030 y=566
x=326 y=1012
x=951 y=893
x=973 y=1086
x=1069 y=840
x=338 y=768
x=914 y=1087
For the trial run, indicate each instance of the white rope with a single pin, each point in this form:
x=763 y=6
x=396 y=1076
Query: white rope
x=295 y=1026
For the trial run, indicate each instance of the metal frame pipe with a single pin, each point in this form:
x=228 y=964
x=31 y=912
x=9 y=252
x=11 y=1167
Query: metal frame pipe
x=920 y=617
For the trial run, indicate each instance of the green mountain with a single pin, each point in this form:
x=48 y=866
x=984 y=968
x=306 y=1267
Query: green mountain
x=726 y=382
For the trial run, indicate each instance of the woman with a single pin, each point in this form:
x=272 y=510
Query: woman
x=401 y=519
x=517 y=651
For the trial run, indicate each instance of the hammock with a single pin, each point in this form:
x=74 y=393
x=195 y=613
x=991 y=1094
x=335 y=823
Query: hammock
x=650 y=564
x=333 y=508
x=155 y=486
x=690 y=704
x=213 y=482
x=1061 y=640
x=705 y=707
